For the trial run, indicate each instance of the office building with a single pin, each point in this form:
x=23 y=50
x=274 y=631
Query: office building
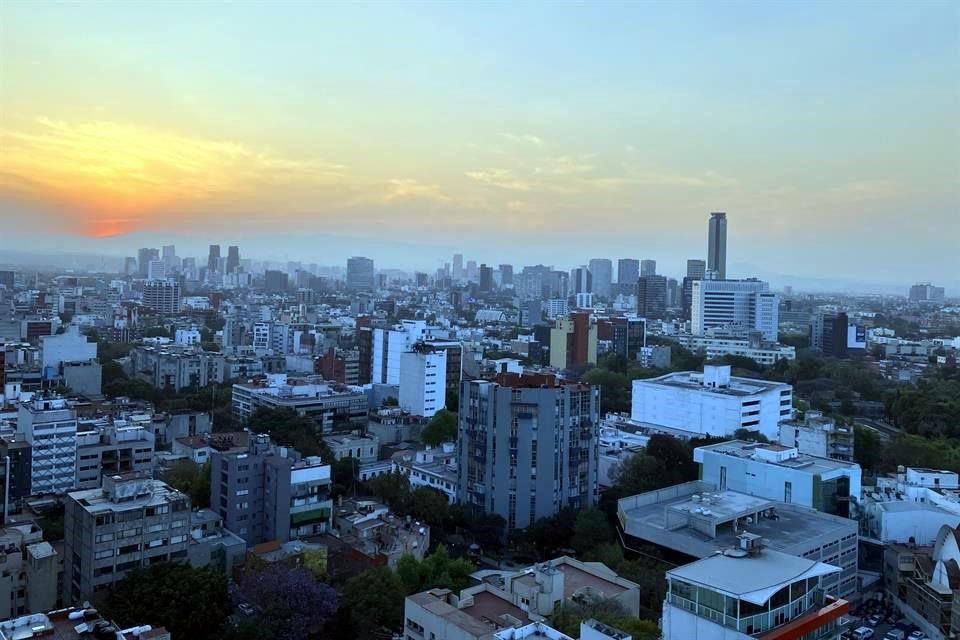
x=573 y=341
x=712 y=403
x=28 y=583
x=753 y=346
x=423 y=380
x=233 y=259
x=749 y=592
x=162 y=296
x=697 y=520
x=486 y=278
x=360 y=274
x=734 y=305
x=69 y=346
x=655 y=357
x=629 y=336
x=144 y=256
x=275 y=281
x=926 y=292
x=132 y=522
x=717 y=246
x=16 y=469
x=50 y=426
x=506 y=275
x=168 y=254
x=270 y=492
x=458 y=273
x=601 y=269
x=213 y=258
x=651 y=296
x=832 y=334
x=648 y=268
x=581 y=280
x=628 y=271
x=362 y=448
x=527 y=446
x=776 y=472
x=129 y=267
x=156 y=270
x=696 y=269
x=326 y=403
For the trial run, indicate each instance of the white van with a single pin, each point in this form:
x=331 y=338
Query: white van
x=863 y=633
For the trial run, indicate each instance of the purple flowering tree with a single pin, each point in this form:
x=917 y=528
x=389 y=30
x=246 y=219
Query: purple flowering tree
x=287 y=601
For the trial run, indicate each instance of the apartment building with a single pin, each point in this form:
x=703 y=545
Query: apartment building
x=324 y=402
x=270 y=493
x=814 y=434
x=49 y=424
x=527 y=446
x=423 y=380
x=433 y=467
x=131 y=522
x=105 y=448
x=754 y=347
x=175 y=367
x=28 y=582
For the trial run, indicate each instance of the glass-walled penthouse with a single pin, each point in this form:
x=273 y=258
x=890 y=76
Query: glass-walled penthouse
x=753 y=592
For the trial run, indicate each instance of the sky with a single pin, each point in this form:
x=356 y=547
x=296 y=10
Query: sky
x=513 y=132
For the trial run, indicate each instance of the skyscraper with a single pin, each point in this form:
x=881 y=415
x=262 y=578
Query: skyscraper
x=696 y=269
x=651 y=296
x=648 y=268
x=486 y=278
x=169 y=257
x=213 y=259
x=519 y=423
x=144 y=256
x=506 y=274
x=581 y=280
x=458 y=265
x=602 y=271
x=628 y=270
x=717 y=245
x=233 y=258
x=360 y=274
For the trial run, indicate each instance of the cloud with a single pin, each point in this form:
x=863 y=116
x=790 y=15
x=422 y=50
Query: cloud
x=116 y=173
x=860 y=191
x=500 y=178
x=527 y=138
x=399 y=189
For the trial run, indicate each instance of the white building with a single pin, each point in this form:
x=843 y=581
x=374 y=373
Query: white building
x=912 y=507
x=780 y=473
x=389 y=344
x=432 y=467
x=762 y=352
x=744 y=593
x=556 y=308
x=69 y=346
x=712 y=402
x=734 y=304
x=261 y=338
x=817 y=435
x=187 y=336
x=50 y=426
x=156 y=270
x=423 y=381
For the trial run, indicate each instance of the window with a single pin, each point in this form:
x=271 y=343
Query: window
x=788 y=492
x=723 y=478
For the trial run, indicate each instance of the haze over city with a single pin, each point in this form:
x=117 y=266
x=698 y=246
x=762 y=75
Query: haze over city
x=521 y=133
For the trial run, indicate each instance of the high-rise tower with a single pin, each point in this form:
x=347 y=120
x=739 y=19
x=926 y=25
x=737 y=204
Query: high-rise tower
x=717 y=245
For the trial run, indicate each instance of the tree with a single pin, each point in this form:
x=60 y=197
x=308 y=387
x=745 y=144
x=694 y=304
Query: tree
x=436 y=571
x=289 y=605
x=287 y=428
x=867 y=447
x=346 y=476
x=374 y=600
x=427 y=505
x=192 y=479
x=615 y=389
x=167 y=595
x=392 y=488
x=590 y=530
x=441 y=428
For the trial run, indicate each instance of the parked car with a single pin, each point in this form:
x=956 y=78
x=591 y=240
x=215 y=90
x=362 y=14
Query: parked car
x=918 y=635
x=895 y=634
x=863 y=633
x=874 y=620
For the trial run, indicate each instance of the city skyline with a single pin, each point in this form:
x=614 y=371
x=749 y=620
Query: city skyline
x=386 y=130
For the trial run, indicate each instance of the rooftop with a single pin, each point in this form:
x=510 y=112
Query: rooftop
x=487 y=614
x=732 y=385
x=751 y=577
x=678 y=518
x=778 y=455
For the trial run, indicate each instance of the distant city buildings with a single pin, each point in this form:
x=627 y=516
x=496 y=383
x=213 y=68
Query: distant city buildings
x=573 y=341
x=926 y=292
x=601 y=270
